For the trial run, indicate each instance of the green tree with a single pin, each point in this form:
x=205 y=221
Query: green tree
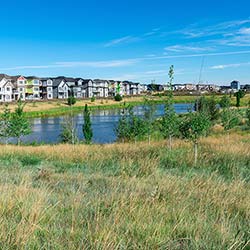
x=87 y=129
x=137 y=127
x=122 y=128
x=230 y=118
x=149 y=117
x=169 y=125
x=71 y=100
x=118 y=98
x=19 y=124
x=5 y=123
x=225 y=101
x=194 y=126
x=240 y=94
x=68 y=133
x=130 y=127
x=207 y=106
x=248 y=114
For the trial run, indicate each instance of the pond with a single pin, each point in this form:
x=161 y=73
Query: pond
x=47 y=130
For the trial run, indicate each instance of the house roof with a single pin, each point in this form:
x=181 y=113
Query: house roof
x=32 y=78
x=57 y=81
x=2 y=76
x=86 y=80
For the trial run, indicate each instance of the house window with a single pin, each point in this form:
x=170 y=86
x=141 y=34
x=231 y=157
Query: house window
x=49 y=96
x=36 y=82
x=36 y=89
x=8 y=88
x=49 y=89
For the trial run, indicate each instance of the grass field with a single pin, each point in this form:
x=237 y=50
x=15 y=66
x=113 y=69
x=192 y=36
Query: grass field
x=60 y=107
x=126 y=196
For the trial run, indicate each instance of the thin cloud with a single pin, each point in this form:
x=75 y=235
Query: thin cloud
x=92 y=64
x=182 y=48
x=99 y=64
x=122 y=40
x=119 y=63
x=131 y=39
x=202 y=54
x=221 y=29
x=233 y=65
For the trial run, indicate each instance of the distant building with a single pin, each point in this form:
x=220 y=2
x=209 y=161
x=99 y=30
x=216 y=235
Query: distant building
x=235 y=85
x=246 y=87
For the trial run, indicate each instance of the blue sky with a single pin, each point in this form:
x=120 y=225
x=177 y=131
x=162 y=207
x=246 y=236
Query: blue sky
x=127 y=40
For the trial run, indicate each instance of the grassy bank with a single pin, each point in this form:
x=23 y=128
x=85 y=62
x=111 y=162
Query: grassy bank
x=126 y=196
x=60 y=107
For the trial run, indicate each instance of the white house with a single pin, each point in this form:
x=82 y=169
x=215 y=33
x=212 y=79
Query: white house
x=46 y=88
x=6 y=89
x=100 y=88
x=60 y=88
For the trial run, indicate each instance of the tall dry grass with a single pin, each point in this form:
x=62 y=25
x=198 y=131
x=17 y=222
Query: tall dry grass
x=126 y=196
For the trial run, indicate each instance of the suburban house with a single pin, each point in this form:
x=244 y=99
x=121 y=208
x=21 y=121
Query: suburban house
x=20 y=85
x=155 y=87
x=46 y=88
x=235 y=85
x=246 y=87
x=226 y=90
x=87 y=85
x=100 y=88
x=32 y=88
x=7 y=89
x=60 y=88
x=78 y=90
x=115 y=87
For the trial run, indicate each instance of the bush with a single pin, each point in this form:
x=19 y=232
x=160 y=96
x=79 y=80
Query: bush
x=92 y=99
x=118 y=98
x=29 y=160
x=225 y=101
x=207 y=106
x=71 y=100
x=248 y=114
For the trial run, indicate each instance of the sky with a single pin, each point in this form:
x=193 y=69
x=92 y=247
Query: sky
x=137 y=40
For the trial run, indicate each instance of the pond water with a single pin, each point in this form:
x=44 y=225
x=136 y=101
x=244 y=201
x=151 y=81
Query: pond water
x=47 y=130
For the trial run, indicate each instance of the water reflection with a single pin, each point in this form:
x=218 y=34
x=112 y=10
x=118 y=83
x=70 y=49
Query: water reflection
x=47 y=130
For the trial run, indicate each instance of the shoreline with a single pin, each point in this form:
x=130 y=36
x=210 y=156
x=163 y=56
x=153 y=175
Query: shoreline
x=59 y=107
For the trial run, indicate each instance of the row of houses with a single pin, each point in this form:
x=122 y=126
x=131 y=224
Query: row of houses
x=34 y=88
x=190 y=87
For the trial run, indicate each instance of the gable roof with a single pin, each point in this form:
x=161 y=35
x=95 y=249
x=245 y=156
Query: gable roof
x=2 y=76
x=57 y=81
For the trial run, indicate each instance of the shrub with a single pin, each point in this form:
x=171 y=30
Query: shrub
x=207 y=106
x=248 y=114
x=87 y=129
x=118 y=98
x=92 y=99
x=240 y=94
x=225 y=101
x=71 y=100
x=29 y=160
x=193 y=127
x=230 y=118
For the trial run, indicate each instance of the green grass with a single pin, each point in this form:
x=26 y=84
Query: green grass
x=126 y=196
x=62 y=110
